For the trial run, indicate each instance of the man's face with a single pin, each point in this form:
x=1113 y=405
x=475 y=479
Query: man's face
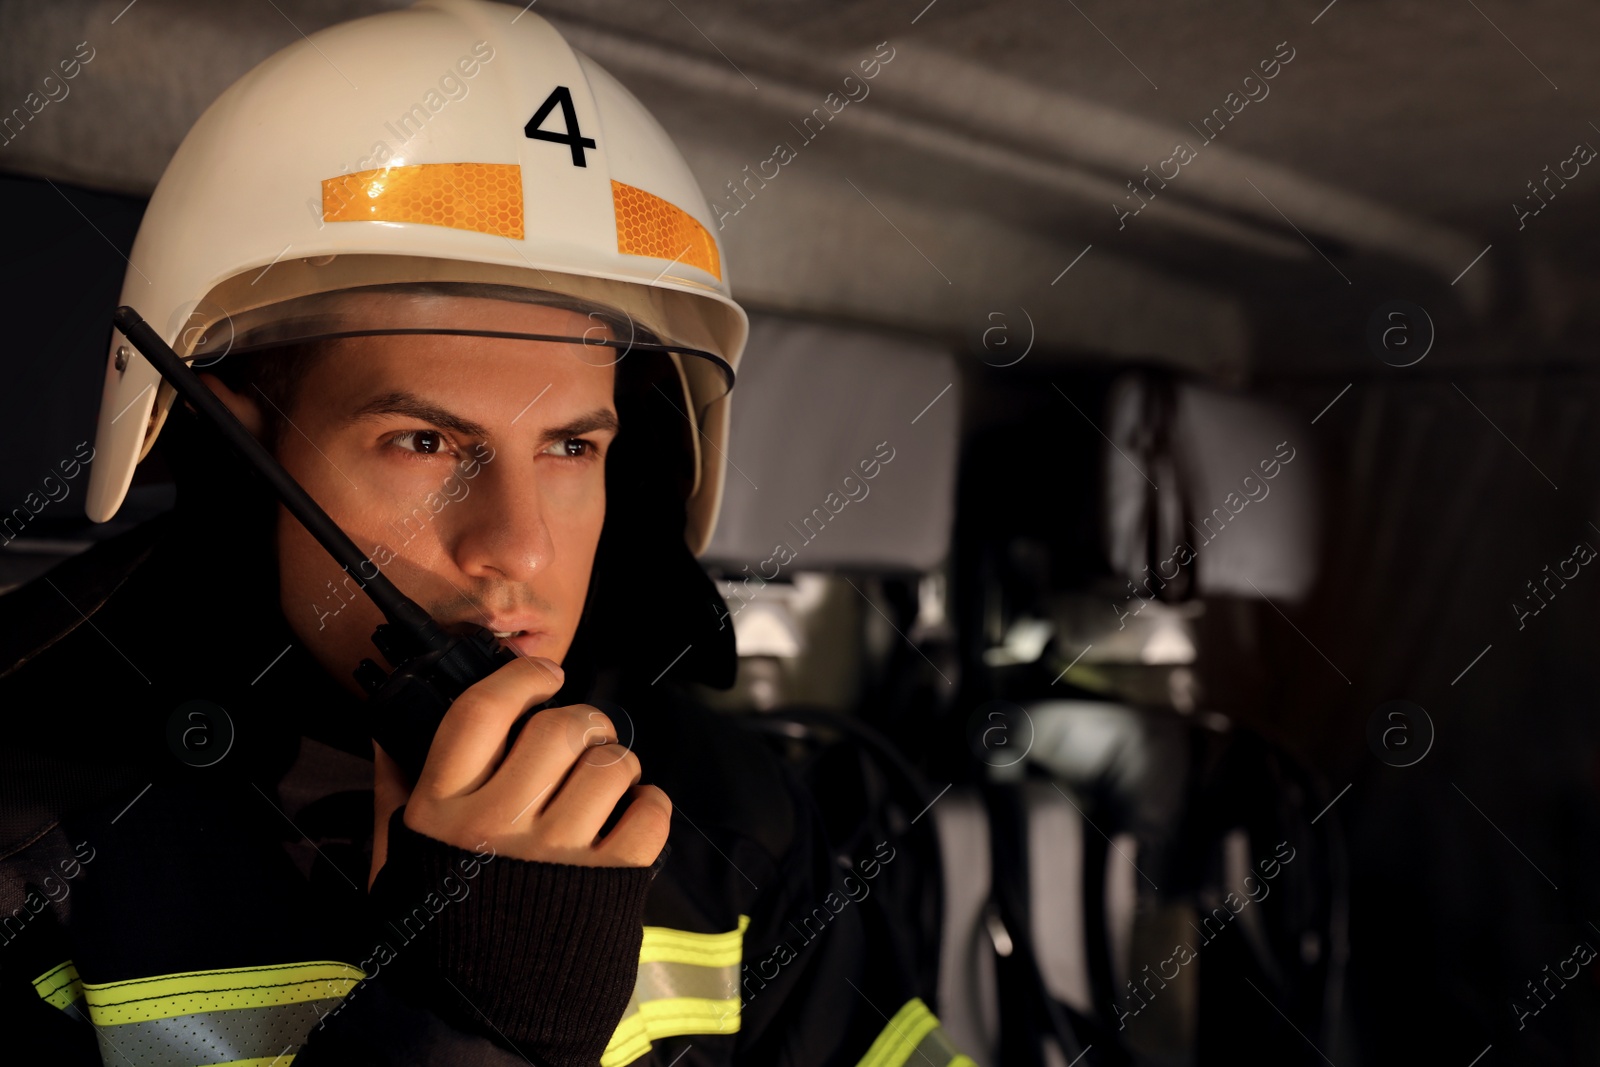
x=477 y=464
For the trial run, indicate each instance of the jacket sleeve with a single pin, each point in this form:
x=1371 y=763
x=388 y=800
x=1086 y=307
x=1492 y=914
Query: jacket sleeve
x=485 y=959
x=825 y=979
x=54 y=1030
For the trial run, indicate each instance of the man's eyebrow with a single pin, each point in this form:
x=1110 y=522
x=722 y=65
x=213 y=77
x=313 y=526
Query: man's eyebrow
x=409 y=405
x=598 y=419
x=412 y=406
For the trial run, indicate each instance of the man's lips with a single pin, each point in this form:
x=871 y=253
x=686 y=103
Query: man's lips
x=525 y=635
x=528 y=644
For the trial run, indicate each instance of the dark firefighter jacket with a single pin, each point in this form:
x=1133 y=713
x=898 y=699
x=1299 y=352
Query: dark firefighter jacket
x=185 y=883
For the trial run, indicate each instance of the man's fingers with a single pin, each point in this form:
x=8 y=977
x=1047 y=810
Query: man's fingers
x=550 y=743
x=601 y=777
x=473 y=733
x=637 y=838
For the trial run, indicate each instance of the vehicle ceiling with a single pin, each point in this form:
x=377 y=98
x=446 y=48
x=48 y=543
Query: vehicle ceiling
x=1386 y=156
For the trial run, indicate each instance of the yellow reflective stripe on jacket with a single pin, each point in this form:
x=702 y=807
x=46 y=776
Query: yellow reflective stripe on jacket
x=665 y=945
x=688 y=983
x=914 y=1030
x=59 y=986
x=232 y=1017
x=197 y=992
x=655 y=1019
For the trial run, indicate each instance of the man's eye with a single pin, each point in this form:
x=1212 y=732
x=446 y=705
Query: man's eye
x=573 y=448
x=425 y=442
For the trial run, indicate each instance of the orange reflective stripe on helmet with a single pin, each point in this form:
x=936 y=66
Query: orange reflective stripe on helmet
x=482 y=197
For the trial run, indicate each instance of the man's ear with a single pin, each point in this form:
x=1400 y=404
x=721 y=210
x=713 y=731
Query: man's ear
x=243 y=406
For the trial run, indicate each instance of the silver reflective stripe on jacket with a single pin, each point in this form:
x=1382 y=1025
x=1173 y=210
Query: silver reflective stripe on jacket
x=242 y=1016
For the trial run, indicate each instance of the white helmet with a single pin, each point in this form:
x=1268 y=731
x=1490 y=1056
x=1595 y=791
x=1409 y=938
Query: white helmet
x=454 y=143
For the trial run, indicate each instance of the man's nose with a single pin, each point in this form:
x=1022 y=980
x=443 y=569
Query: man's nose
x=500 y=524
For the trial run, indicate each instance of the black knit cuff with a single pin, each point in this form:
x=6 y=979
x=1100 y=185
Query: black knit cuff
x=543 y=954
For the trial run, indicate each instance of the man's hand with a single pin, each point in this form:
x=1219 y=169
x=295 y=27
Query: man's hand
x=546 y=799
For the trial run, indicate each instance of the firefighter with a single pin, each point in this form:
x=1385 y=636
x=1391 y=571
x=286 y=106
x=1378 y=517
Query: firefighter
x=464 y=288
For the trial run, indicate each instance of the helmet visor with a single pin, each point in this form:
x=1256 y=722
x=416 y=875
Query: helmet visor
x=595 y=333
